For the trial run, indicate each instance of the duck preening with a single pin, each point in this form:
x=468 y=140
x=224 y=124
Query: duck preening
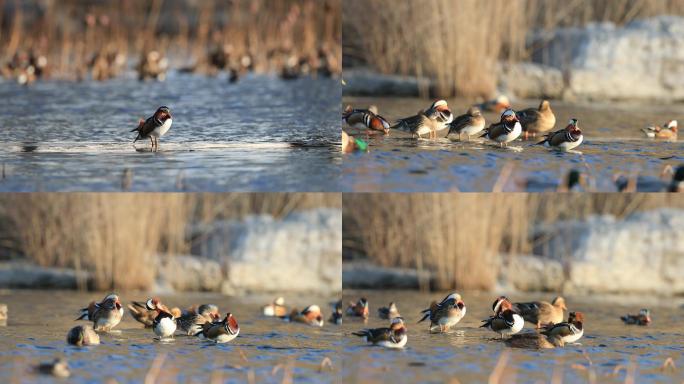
x=506 y=320
x=366 y=119
x=445 y=314
x=105 y=315
x=221 y=331
x=154 y=127
x=164 y=323
x=192 y=320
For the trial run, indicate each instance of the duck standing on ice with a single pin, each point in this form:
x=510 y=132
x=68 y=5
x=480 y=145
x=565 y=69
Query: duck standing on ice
x=154 y=127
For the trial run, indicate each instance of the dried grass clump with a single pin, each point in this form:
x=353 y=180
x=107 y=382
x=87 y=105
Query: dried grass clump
x=455 y=43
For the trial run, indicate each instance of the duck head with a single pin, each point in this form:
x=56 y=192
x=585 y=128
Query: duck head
x=113 y=301
x=440 y=106
x=153 y=304
x=544 y=105
x=397 y=323
x=559 y=302
x=474 y=111
x=672 y=125
x=208 y=310
x=313 y=315
x=496 y=307
x=230 y=324
x=162 y=114
x=576 y=317
x=509 y=117
x=443 y=112
x=506 y=306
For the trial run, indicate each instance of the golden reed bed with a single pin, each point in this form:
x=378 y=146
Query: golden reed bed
x=76 y=39
x=457 y=236
x=459 y=43
x=115 y=235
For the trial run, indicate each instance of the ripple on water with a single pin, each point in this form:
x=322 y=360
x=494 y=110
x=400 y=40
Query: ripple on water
x=607 y=343
x=75 y=136
x=126 y=357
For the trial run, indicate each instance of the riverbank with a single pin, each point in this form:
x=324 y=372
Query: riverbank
x=299 y=252
x=642 y=254
x=597 y=61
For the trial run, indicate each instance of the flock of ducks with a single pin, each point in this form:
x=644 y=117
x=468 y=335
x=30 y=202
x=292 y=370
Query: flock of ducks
x=27 y=66
x=24 y=67
x=507 y=319
x=437 y=121
x=204 y=320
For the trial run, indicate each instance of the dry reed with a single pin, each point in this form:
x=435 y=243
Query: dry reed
x=72 y=33
x=457 y=43
x=457 y=236
x=116 y=236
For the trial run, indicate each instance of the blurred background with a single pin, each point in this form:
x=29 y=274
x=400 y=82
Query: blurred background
x=246 y=81
x=599 y=243
x=78 y=39
x=524 y=48
x=226 y=243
